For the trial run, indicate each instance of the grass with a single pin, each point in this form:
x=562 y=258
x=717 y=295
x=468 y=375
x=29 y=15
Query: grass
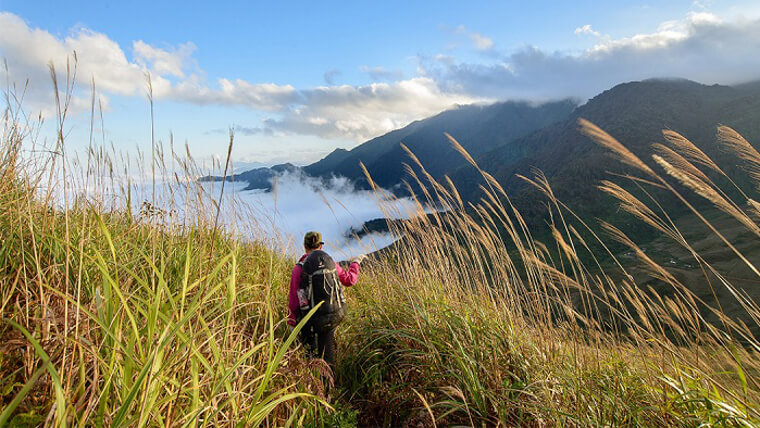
x=130 y=320
x=118 y=317
x=167 y=327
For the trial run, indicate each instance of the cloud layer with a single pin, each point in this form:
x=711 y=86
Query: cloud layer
x=333 y=111
x=362 y=112
x=701 y=46
x=334 y=208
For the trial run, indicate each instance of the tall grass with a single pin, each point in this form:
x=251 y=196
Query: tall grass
x=115 y=318
x=490 y=326
x=114 y=315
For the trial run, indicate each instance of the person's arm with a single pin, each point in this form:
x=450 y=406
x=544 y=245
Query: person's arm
x=350 y=276
x=294 y=309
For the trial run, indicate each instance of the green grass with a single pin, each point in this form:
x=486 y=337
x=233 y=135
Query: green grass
x=117 y=318
x=149 y=326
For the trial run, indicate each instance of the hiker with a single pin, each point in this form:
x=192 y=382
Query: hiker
x=317 y=278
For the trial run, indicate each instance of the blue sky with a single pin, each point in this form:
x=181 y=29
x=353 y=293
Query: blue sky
x=298 y=79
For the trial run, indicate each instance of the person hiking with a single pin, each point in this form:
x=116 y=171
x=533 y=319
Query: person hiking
x=317 y=278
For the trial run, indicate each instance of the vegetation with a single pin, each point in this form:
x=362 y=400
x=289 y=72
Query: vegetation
x=633 y=112
x=118 y=319
x=112 y=317
x=480 y=127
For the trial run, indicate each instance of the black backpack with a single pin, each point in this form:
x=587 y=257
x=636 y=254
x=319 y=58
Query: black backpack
x=320 y=283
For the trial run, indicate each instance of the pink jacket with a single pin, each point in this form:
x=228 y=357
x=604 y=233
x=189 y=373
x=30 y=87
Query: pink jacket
x=346 y=277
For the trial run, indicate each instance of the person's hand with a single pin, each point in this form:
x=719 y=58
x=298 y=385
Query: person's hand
x=359 y=259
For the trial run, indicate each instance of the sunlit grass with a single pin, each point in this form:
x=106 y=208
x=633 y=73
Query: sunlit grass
x=491 y=326
x=121 y=317
x=132 y=320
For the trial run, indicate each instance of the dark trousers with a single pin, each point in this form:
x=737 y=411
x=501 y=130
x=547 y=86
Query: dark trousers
x=320 y=344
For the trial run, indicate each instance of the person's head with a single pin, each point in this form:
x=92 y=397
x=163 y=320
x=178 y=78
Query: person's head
x=312 y=241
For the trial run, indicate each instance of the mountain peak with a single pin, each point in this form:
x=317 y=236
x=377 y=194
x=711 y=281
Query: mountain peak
x=477 y=127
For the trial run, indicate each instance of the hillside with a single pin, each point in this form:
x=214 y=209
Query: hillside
x=483 y=127
x=117 y=318
x=257 y=178
x=635 y=113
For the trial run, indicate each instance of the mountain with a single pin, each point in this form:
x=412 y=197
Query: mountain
x=258 y=178
x=479 y=128
x=634 y=113
x=513 y=138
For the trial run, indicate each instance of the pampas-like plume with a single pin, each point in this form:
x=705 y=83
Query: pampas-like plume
x=688 y=150
x=606 y=140
x=742 y=148
x=708 y=192
x=679 y=161
x=458 y=147
x=454 y=191
x=633 y=205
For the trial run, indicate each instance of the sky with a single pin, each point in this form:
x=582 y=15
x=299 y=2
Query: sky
x=297 y=79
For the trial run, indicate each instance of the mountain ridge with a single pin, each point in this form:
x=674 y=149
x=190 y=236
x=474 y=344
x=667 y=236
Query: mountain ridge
x=510 y=138
x=484 y=126
x=257 y=178
x=635 y=113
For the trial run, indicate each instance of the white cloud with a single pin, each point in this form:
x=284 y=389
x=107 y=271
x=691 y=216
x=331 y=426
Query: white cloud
x=482 y=43
x=586 y=29
x=29 y=53
x=668 y=34
x=362 y=112
x=702 y=47
x=259 y=96
x=347 y=112
x=161 y=61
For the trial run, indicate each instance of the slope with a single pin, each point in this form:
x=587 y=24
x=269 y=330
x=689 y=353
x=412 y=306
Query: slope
x=483 y=128
x=635 y=113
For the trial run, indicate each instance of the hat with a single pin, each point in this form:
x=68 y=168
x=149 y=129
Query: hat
x=312 y=239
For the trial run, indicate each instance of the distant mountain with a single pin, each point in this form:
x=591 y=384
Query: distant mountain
x=258 y=178
x=508 y=139
x=634 y=113
x=512 y=138
x=479 y=128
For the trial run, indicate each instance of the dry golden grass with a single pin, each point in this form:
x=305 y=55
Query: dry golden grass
x=594 y=314
x=114 y=317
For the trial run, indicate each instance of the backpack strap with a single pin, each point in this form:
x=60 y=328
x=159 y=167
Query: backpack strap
x=323 y=272
x=303 y=260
